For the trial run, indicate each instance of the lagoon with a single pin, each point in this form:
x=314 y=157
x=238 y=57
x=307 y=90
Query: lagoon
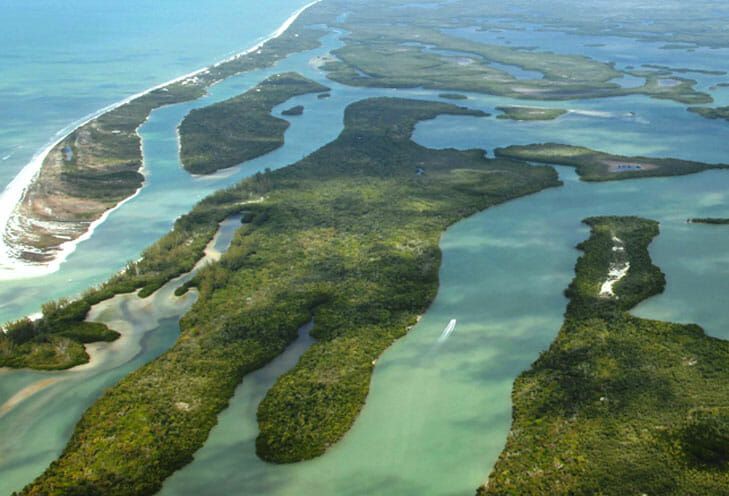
x=438 y=412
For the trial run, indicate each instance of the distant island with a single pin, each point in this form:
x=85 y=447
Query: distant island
x=530 y=113
x=592 y=165
x=711 y=113
x=709 y=220
x=453 y=96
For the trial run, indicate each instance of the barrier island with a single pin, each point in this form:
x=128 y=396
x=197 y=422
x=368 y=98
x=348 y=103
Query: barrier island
x=99 y=164
x=618 y=404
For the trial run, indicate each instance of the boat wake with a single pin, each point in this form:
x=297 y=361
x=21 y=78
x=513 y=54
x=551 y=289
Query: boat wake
x=447 y=331
x=600 y=114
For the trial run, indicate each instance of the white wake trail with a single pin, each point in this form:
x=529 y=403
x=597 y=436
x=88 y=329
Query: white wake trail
x=447 y=331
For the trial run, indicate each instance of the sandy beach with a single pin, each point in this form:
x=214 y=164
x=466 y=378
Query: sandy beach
x=11 y=267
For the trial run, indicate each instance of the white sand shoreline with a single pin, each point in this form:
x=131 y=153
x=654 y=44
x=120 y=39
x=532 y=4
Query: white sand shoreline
x=616 y=271
x=11 y=267
x=148 y=313
x=160 y=305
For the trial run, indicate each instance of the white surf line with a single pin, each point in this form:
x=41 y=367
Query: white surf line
x=15 y=190
x=447 y=331
x=616 y=272
x=601 y=114
x=592 y=113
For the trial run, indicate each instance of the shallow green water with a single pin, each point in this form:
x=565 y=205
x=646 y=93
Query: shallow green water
x=33 y=432
x=438 y=412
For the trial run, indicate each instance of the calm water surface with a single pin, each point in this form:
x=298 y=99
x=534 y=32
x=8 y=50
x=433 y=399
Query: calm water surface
x=438 y=413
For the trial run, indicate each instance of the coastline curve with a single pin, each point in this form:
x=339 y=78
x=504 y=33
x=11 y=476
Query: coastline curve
x=12 y=265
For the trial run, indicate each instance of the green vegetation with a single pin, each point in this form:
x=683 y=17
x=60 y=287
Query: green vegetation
x=592 y=165
x=240 y=128
x=106 y=155
x=709 y=220
x=679 y=28
x=394 y=50
x=348 y=236
x=54 y=341
x=619 y=405
x=711 y=113
x=293 y=111
x=530 y=113
x=106 y=151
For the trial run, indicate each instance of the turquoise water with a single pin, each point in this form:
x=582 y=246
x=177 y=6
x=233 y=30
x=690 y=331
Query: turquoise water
x=168 y=193
x=622 y=51
x=438 y=413
x=32 y=435
x=64 y=60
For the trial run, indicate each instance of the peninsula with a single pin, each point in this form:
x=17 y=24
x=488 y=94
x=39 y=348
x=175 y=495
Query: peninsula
x=592 y=165
x=241 y=128
x=618 y=404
